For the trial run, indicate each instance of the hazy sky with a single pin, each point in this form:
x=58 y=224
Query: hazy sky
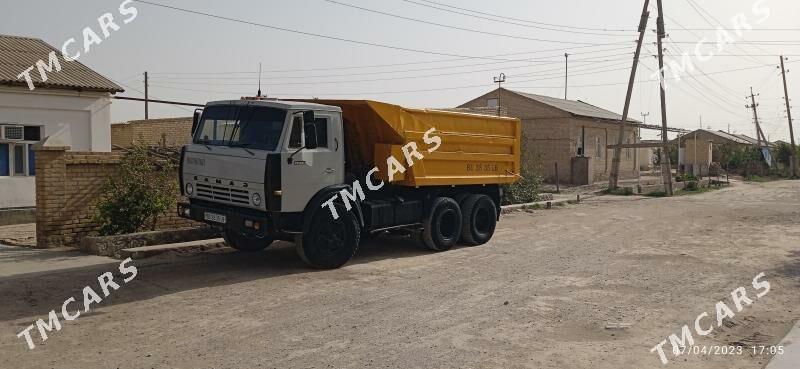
x=225 y=55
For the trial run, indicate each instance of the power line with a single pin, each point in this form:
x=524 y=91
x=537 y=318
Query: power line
x=451 y=88
x=593 y=66
x=531 y=63
x=456 y=27
x=593 y=69
x=440 y=5
x=406 y=63
x=366 y=43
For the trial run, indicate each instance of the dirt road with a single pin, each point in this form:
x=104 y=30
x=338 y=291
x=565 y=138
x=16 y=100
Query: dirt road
x=540 y=295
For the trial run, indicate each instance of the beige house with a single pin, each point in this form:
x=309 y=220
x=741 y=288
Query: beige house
x=696 y=148
x=570 y=134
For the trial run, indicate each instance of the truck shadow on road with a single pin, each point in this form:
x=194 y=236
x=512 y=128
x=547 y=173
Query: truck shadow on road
x=792 y=268
x=33 y=295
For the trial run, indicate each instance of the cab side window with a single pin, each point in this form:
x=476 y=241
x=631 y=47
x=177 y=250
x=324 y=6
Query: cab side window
x=321 y=125
x=295 y=137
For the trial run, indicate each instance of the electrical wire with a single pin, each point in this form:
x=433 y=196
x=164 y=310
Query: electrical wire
x=506 y=18
x=342 y=39
x=406 y=63
x=456 y=27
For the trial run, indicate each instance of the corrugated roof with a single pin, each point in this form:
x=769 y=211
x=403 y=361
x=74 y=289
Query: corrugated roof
x=740 y=139
x=20 y=53
x=578 y=108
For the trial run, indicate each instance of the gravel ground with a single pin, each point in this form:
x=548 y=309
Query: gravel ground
x=540 y=295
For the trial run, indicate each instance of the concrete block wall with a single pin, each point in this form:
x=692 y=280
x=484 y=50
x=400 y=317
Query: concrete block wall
x=68 y=187
x=168 y=132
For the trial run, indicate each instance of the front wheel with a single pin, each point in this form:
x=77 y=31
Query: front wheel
x=330 y=243
x=244 y=243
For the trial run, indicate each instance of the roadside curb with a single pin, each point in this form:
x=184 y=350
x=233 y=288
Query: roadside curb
x=187 y=247
x=790 y=357
x=505 y=209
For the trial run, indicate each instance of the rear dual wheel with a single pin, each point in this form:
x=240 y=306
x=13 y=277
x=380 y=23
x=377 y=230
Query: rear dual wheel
x=479 y=219
x=442 y=228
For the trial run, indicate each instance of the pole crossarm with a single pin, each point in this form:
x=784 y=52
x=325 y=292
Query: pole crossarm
x=640 y=145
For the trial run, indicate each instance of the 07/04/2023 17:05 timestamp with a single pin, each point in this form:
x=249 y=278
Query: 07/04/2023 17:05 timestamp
x=755 y=350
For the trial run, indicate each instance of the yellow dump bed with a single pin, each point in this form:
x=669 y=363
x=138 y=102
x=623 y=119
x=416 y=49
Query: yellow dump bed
x=475 y=149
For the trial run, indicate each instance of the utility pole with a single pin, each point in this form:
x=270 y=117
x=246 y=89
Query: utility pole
x=666 y=168
x=793 y=157
x=613 y=177
x=146 y=97
x=259 y=79
x=499 y=80
x=566 y=74
x=754 y=106
x=644 y=117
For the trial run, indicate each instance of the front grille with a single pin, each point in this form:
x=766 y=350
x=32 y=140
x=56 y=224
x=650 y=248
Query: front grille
x=223 y=193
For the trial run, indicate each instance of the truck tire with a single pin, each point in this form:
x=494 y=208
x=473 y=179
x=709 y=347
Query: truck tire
x=330 y=243
x=479 y=220
x=243 y=243
x=442 y=227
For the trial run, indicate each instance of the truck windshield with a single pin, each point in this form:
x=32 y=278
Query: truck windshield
x=245 y=126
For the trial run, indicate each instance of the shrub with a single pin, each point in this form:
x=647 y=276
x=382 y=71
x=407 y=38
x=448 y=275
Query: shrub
x=743 y=160
x=144 y=188
x=691 y=186
x=527 y=188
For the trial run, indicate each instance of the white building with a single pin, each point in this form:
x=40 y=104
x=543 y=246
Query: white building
x=72 y=108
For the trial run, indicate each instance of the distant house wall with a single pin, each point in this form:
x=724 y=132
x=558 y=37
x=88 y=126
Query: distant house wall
x=553 y=136
x=697 y=154
x=169 y=132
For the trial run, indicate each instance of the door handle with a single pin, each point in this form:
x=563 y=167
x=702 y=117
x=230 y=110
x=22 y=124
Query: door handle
x=330 y=170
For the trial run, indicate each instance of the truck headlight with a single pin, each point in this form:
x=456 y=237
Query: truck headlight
x=189 y=188
x=257 y=199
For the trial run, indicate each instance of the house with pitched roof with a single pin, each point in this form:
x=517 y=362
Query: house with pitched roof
x=696 y=149
x=70 y=105
x=568 y=134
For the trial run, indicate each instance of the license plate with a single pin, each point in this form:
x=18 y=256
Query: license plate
x=217 y=218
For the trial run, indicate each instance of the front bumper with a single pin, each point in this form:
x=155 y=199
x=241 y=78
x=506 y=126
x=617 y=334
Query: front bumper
x=241 y=221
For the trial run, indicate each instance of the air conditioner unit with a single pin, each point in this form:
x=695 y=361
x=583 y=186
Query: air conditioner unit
x=13 y=133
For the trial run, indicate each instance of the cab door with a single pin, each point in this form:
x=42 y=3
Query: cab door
x=305 y=171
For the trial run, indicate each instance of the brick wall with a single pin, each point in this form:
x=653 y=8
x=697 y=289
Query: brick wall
x=553 y=135
x=68 y=185
x=169 y=132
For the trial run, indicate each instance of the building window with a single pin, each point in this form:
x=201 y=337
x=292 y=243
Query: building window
x=492 y=103
x=598 y=149
x=628 y=150
x=17 y=158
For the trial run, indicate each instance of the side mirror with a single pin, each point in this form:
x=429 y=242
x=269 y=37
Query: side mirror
x=311 y=135
x=196 y=120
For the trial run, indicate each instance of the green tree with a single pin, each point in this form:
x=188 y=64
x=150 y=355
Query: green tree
x=143 y=189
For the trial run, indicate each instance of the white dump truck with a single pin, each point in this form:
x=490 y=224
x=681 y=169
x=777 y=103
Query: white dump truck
x=324 y=173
